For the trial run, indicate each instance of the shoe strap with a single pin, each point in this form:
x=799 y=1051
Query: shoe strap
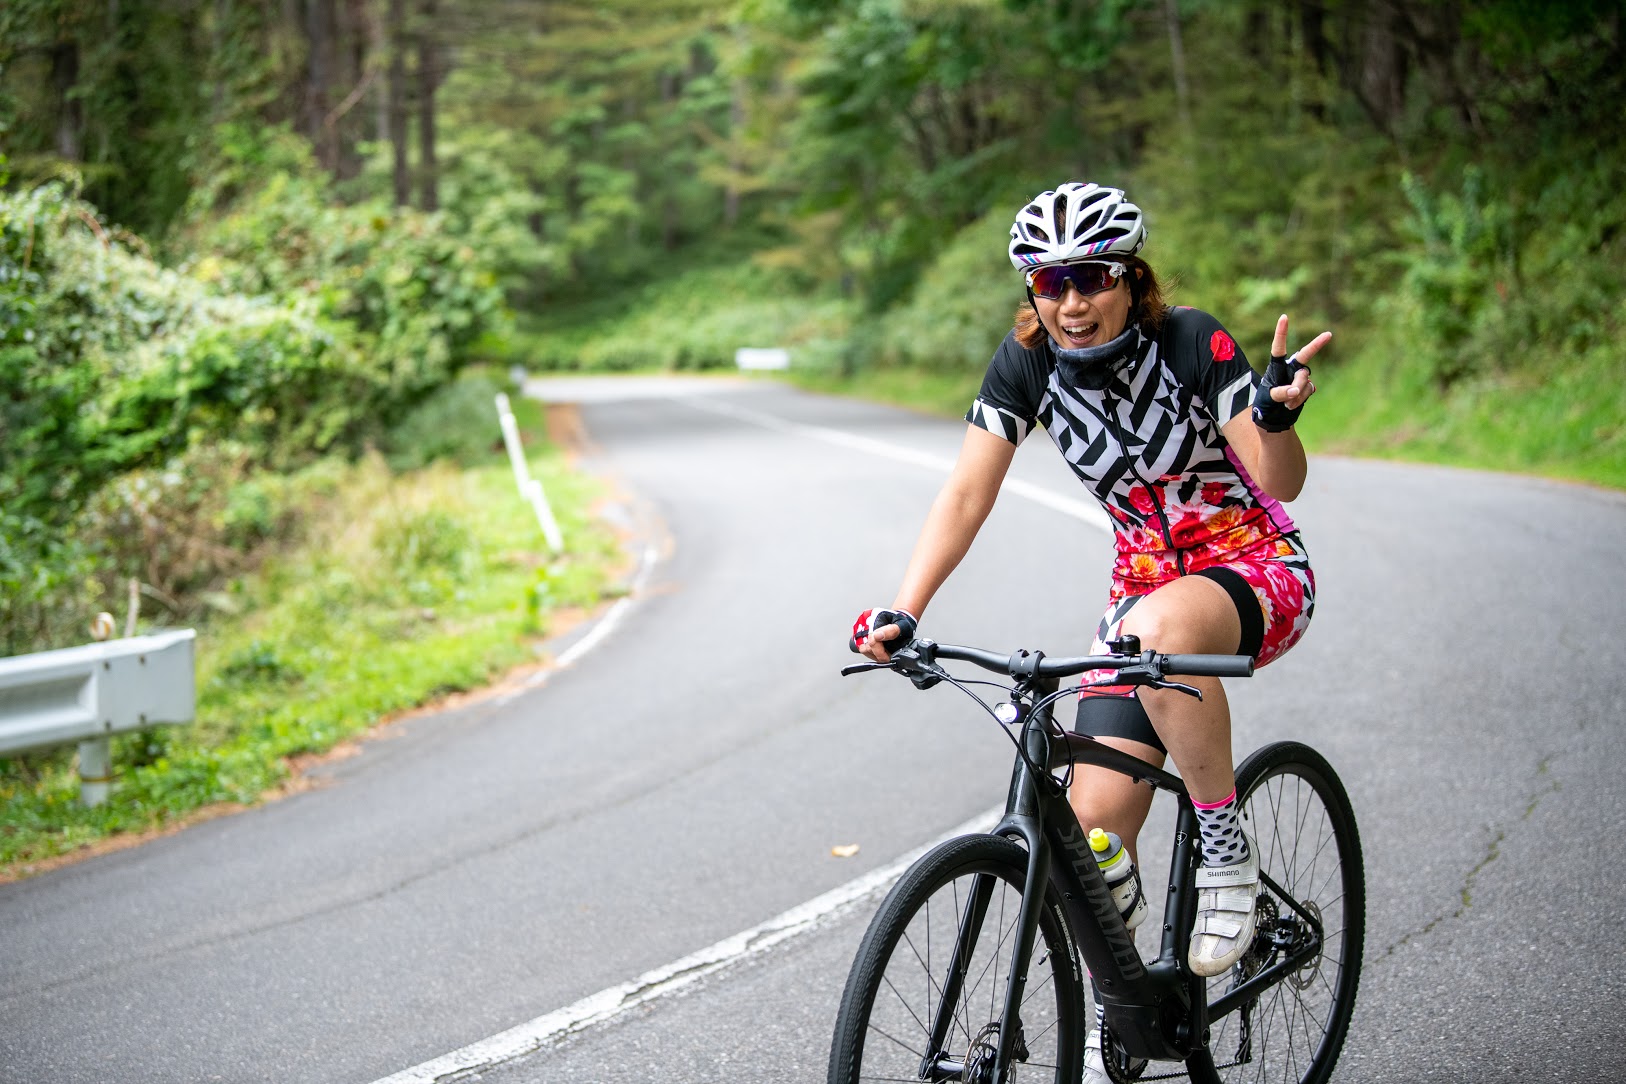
x=1234 y=898
x=1226 y=924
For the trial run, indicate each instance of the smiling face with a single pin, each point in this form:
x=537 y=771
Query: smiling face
x=1075 y=320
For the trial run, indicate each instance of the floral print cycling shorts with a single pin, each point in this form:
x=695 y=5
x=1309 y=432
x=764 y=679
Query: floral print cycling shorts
x=1274 y=597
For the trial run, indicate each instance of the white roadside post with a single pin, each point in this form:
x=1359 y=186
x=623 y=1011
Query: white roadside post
x=760 y=358
x=529 y=488
x=87 y=694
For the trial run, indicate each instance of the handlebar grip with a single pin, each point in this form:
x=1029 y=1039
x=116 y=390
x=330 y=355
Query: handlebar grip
x=1209 y=665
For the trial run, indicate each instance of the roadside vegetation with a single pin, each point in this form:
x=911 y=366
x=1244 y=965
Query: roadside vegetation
x=390 y=587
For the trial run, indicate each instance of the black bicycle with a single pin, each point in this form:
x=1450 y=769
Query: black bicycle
x=977 y=966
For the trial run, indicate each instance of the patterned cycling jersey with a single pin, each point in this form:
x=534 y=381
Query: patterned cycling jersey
x=1150 y=448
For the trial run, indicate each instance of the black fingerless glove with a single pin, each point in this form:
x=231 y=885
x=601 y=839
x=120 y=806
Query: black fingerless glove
x=1268 y=414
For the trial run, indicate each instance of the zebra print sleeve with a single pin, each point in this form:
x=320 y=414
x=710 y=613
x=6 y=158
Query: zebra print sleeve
x=1207 y=360
x=1008 y=402
x=1001 y=423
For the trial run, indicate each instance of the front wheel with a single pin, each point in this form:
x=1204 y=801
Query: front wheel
x=927 y=989
x=1295 y=810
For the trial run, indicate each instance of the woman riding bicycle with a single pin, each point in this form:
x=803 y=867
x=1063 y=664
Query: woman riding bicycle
x=1159 y=414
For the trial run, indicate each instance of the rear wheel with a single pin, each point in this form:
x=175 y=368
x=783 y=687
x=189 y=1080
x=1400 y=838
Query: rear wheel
x=1298 y=816
x=927 y=989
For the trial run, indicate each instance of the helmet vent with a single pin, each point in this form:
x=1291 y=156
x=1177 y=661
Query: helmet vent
x=1076 y=218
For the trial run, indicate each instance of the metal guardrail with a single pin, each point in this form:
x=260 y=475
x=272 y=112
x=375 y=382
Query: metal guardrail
x=87 y=694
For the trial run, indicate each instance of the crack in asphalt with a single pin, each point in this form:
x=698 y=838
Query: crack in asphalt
x=1493 y=850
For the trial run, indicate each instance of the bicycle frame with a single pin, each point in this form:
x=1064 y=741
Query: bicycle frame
x=1155 y=1010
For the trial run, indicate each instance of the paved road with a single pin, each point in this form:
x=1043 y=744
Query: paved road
x=687 y=778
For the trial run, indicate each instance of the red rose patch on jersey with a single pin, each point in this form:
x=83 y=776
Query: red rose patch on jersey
x=1222 y=346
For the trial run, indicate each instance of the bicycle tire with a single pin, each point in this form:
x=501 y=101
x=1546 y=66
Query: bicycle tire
x=897 y=980
x=1298 y=815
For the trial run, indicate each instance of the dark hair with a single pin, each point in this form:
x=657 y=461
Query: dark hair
x=1147 y=309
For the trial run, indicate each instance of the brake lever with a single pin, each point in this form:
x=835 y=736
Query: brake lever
x=1177 y=686
x=916 y=661
x=1141 y=676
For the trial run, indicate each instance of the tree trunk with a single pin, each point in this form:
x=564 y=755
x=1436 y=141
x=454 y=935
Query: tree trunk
x=352 y=77
x=319 y=72
x=70 y=121
x=1312 y=23
x=1177 y=58
x=736 y=166
x=428 y=79
x=378 y=53
x=396 y=107
x=1383 y=70
x=668 y=83
x=217 y=45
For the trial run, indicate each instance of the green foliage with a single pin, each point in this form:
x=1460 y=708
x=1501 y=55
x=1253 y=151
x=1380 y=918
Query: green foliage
x=116 y=363
x=962 y=305
x=138 y=396
x=419 y=294
x=126 y=126
x=458 y=422
x=913 y=118
x=612 y=118
x=1461 y=281
x=47 y=584
x=1561 y=417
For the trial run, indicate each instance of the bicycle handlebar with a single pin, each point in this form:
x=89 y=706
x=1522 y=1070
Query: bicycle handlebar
x=922 y=655
x=1012 y=665
x=1209 y=665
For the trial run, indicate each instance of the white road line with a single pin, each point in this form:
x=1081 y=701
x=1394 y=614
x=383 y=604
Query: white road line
x=617 y=612
x=1069 y=506
x=535 y=1034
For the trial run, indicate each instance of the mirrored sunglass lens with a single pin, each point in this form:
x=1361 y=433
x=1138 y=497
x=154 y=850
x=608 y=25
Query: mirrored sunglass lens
x=1048 y=282
x=1089 y=278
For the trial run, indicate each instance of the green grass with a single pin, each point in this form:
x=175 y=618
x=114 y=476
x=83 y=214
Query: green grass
x=411 y=586
x=1565 y=420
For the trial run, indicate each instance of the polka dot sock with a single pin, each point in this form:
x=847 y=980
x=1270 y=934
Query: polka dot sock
x=1223 y=841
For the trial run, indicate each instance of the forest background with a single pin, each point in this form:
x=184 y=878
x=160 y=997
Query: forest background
x=254 y=253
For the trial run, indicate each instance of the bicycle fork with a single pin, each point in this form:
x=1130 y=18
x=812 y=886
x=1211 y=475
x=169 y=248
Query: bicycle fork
x=936 y=1066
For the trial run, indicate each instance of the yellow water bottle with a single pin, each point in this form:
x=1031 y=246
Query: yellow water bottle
x=1122 y=876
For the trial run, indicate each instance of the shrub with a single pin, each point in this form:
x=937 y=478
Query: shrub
x=420 y=296
x=457 y=422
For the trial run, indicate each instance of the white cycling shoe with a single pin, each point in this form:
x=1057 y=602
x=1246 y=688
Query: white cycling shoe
x=1227 y=912
x=1095 y=1064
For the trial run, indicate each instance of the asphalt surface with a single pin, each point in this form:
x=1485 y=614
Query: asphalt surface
x=687 y=778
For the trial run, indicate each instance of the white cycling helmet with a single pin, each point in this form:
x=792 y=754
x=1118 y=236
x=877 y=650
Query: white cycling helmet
x=1074 y=222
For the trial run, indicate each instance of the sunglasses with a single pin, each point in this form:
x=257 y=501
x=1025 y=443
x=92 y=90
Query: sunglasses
x=1087 y=278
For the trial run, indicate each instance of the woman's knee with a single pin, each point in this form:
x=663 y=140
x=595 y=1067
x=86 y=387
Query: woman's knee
x=1193 y=615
